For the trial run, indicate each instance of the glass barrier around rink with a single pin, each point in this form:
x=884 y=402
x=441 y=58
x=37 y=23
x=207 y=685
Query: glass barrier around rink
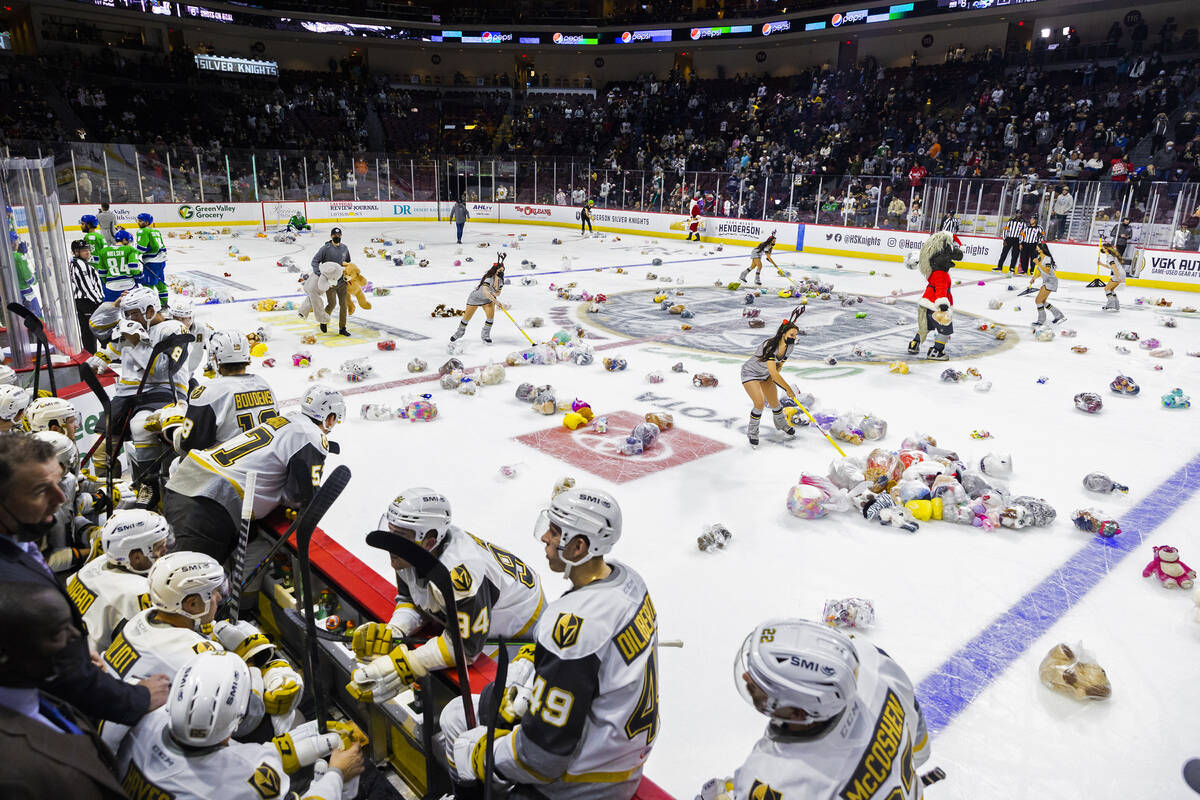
x=93 y=172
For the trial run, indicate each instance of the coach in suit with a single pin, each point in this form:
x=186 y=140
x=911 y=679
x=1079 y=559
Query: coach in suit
x=49 y=749
x=29 y=496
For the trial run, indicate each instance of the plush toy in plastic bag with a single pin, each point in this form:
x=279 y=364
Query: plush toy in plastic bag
x=850 y=612
x=1075 y=673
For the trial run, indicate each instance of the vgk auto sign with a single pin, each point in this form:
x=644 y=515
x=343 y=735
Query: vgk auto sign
x=1183 y=265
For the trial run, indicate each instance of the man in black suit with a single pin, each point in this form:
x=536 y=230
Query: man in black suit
x=29 y=496
x=49 y=749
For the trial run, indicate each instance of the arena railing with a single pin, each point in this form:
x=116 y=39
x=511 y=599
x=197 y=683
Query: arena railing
x=93 y=172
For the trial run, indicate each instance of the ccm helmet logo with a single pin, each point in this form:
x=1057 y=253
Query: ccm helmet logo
x=591 y=498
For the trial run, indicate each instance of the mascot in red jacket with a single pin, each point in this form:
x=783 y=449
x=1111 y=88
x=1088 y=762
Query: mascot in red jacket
x=935 y=314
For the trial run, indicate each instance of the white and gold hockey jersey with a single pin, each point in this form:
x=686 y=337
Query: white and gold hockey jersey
x=107 y=596
x=593 y=714
x=134 y=360
x=287 y=453
x=870 y=752
x=145 y=647
x=224 y=407
x=496 y=593
x=151 y=765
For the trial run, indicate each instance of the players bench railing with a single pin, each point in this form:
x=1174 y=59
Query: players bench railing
x=350 y=593
x=91 y=172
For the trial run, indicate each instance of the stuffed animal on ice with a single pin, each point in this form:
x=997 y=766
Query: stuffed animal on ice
x=315 y=287
x=935 y=314
x=1075 y=675
x=1166 y=566
x=355 y=282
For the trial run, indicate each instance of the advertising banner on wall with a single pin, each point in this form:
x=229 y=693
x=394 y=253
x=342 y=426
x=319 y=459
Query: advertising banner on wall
x=171 y=215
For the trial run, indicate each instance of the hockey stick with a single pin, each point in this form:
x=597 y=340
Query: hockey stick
x=178 y=340
x=239 y=554
x=933 y=776
x=329 y=491
x=37 y=330
x=514 y=322
x=89 y=377
x=499 y=686
x=434 y=571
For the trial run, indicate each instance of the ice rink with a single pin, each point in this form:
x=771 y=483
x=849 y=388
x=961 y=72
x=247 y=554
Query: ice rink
x=969 y=614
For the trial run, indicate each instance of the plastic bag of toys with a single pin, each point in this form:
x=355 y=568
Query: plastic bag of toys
x=849 y=612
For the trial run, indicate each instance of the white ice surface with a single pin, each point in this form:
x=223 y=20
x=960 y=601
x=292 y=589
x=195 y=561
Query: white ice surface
x=933 y=590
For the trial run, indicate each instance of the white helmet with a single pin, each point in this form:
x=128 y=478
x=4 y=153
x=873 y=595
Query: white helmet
x=140 y=298
x=229 y=347
x=64 y=449
x=133 y=529
x=422 y=510
x=583 y=512
x=798 y=664
x=175 y=576
x=7 y=374
x=181 y=307
x=45 y=410
x=320 y=401
x=13 y=400
x=209 y=697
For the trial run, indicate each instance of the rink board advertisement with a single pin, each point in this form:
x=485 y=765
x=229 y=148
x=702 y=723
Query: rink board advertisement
x=171 y=215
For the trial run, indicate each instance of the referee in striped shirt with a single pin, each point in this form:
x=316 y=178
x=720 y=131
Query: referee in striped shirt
x=1031 y=236
x=87 y=289
x=950 y=223
x=1012 y=243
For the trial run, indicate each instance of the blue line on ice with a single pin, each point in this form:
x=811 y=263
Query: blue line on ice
x=954 y=685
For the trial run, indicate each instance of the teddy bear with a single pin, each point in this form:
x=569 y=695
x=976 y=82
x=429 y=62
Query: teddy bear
x=355 y=281
x=1167 y=567
x=1064 y=671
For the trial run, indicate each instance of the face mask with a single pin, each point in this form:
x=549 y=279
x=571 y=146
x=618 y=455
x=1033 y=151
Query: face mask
x=29 y=531
x=337 y=239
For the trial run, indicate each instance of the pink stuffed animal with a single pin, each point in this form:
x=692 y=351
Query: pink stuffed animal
x=1167 y=567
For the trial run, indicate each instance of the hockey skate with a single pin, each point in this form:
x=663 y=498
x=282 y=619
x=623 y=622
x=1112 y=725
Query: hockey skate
x=752 y=429
x=937 y=353
x=462 y=328
x=914 y=346
x=743 y=276
x=486 y=333
x=1113 y=304
x=757 y=279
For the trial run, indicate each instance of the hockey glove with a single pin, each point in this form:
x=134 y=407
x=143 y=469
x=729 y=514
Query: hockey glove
x=303 y=746
x=244 y=639
x=282 y=687
x=372 y=640
x=470 y=753
x=519 y=688
x=384 y=677
x=716 y=789
x=98 y=365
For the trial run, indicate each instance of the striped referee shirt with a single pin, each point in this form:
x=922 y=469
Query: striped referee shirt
x=951 y=224
x=1014 y=228
x=1032 y=234
x=85 y=281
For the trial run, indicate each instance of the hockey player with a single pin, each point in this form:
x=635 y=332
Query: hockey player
x=485 y=295
x=154 y=257
x=496 y=593
x=204 y=495
x=184 y=751
x=761 y=378
x=183 y=311
x=232 y=403
x=938 y=255
x=585 y=219
x=844 y=720
x=586 y=705
x=1110 y=259
x=119 y=265
x=1043 y=263
x=762 y=250
x=26 y=280
x=297 y=222
x=186 y=590
x=13 y=402
x=53 y=414
x=144 y=325
x=90 y=224
x=112 y=588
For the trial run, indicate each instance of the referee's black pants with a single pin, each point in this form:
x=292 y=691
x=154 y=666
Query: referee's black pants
x=1011 y=244
x=1028 y=251
x=84 y=309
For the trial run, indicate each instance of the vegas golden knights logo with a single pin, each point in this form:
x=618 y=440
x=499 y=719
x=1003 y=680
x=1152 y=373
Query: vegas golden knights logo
x=566 y=630
x=266 y=782
x=761 y=791
x=461 y=578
